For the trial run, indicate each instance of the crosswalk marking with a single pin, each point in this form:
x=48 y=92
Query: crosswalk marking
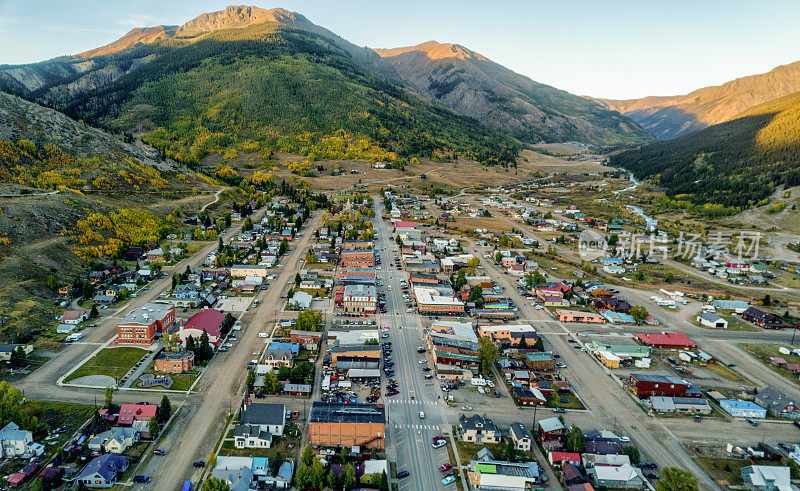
x=416 y=427
x=410 y=402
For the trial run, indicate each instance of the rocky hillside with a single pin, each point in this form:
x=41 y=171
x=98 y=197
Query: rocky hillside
x=673 y=116
x=474 y=86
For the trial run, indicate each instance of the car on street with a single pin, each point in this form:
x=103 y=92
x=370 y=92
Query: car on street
x=559 y=410
x=752 y=422
x=428 y=376
x=423 y=361
x=448 y=480
x=158 y=451
x=466 y=408
x=426 y=369
x=141 y=478
x=402 y=474
x=421 y=415
x=624 y=439
x=199 y=464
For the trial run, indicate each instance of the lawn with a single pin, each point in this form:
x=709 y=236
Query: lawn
x=113 y=362
x=726 y=472
x=574 y=402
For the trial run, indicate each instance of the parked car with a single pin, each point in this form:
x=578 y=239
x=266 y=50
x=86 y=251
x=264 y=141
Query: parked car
x=402 y=474
x=199 y=463
x=448 y=480
x=158 y=451
x=141 y=478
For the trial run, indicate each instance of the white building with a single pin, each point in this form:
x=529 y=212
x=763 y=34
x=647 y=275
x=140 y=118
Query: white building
x=14 y=441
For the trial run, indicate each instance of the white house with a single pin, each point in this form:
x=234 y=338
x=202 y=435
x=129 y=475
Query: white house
x=14 y=441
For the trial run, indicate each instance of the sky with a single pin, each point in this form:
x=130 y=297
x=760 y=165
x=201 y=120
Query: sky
x=604 y=48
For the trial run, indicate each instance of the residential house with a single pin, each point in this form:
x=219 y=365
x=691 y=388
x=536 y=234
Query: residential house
x=767 y=478
x=102 y=471
x=119 y=439
x=131 y=413
x=14 y=441
x=521 y=436
x=543 y=362
x=623 y=476
x=478 y=429
x=74 y=316
x=251 y=436
x=778 y=404
x=550 y=429
x=528 y=396
x=7 y=349
x=277 y=357
x=265 y=416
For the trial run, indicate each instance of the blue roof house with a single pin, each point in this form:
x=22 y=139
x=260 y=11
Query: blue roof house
x=743 y=409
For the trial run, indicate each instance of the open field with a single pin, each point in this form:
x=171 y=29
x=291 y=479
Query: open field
x=764 y=351
x=724 y=471
x=112 y=362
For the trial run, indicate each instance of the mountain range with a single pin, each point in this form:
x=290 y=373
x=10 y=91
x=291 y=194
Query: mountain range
x=250 y=79
x=672 y=116
x=735 y=164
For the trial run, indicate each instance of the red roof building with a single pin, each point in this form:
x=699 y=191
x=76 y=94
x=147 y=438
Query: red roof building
x=667 y=340
x=208 y=320
x=128 y=413
x=559 y=458
x=405 y=225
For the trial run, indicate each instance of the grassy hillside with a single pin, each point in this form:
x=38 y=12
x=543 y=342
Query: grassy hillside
x=270 y=87
x=734 y=164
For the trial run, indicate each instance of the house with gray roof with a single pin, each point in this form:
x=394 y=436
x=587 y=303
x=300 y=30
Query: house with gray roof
x=778 y=404
x=251 y=436
x=478 y=429
x=521 y=436
x=266 y=416
x=102 y=471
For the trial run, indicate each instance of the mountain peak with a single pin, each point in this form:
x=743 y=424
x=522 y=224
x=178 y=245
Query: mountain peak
x=434 y=50
x=239 y=16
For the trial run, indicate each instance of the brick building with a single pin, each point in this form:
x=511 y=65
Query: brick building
x=174 y=361
x=334 y=424
x=143 y=324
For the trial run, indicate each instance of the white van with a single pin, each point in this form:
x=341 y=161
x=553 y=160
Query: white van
x=421 y=415
x=263 y=334
x=478 y=381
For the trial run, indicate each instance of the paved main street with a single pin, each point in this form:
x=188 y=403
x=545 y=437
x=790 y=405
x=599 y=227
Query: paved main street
x=409 y=436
